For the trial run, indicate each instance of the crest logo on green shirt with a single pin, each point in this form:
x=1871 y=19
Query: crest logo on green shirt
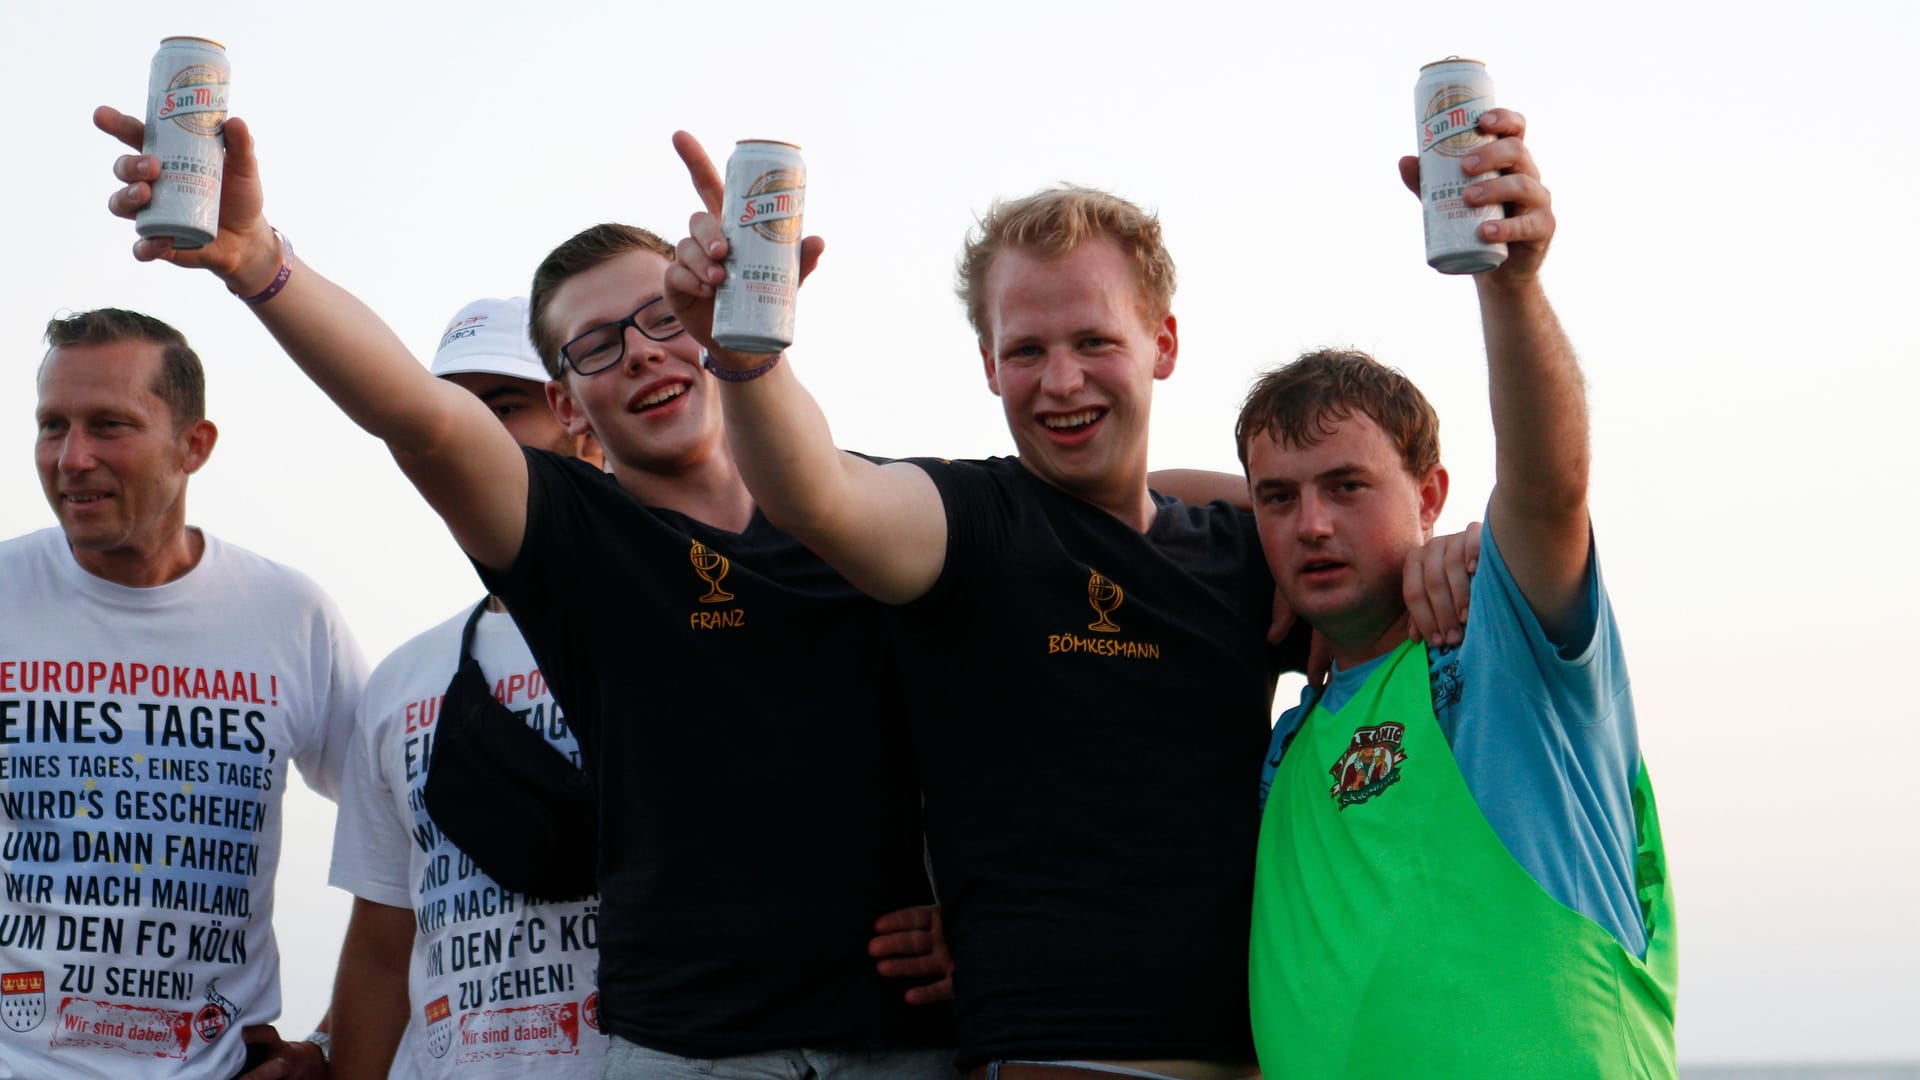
x=1370 y=766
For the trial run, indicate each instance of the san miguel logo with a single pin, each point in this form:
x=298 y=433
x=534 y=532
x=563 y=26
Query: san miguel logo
x=23 y=999
x=773 y=204
x=439 y=1026
x=196 y=99
x=1370 y=766
x=1450 y=121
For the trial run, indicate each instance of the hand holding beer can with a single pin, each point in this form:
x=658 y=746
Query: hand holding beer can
x=1447 y=102
x=761 y=213
x=186 y=115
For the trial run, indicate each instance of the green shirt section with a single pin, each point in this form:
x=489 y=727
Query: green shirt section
x=1395 y=936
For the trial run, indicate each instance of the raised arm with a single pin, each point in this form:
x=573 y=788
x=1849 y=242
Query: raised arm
x=1539 y=506
x=463 y=461
x=883 y=527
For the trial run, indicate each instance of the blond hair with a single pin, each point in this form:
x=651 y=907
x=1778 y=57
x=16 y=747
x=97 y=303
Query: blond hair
x=1052 y=223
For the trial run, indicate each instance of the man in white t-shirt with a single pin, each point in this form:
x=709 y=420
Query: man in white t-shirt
x=412 y=998
x=155 y=685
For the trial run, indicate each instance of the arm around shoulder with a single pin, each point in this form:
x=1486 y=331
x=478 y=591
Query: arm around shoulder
x=1200 y=486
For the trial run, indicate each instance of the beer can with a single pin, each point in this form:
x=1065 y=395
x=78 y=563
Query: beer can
x=186 y=120
x=761 y=211
x=1447 y=102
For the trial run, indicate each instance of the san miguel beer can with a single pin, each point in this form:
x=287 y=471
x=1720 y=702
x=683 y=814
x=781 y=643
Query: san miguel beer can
x=766 y=192
x=186 y=118
x=1447 y=103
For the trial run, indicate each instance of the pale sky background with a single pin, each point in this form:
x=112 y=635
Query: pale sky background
x=1738 y=229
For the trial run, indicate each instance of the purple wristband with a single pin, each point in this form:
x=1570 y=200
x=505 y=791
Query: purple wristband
x=280 y=279
x=728 y=374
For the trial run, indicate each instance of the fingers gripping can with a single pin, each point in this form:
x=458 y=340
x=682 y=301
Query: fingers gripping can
x=761 y=211
x=1447 y=103
x=186 y=118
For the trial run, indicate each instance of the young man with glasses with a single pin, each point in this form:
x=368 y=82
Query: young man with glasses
x=1088 y=671
x=758 y=809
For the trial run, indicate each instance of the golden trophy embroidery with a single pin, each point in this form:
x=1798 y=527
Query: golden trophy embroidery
x=1104 y=595
x=712 y=567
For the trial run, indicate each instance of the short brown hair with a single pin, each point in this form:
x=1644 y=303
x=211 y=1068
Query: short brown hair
x=1299 y=403
x=1053 y=223
x=582 y=252
x=181 y=383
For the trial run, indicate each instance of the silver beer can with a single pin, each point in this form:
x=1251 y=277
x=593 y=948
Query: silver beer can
x=1447 y=102
x=761 y=212
x=186 y=120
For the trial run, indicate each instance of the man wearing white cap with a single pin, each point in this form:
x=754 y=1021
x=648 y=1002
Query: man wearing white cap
x=485 y=349
x=411 y=996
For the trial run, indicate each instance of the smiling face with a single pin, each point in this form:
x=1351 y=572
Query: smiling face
x=1073 y=357
x=1337 y=520
x=112 y=464
x=656 y=410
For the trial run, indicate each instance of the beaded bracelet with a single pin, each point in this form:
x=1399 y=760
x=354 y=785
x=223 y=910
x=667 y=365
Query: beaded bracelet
x=738 y=374
x=280 y=279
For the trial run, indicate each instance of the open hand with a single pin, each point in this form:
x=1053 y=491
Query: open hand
x=910 y=945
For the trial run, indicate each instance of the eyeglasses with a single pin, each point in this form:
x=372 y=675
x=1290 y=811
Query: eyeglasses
x=606 y=345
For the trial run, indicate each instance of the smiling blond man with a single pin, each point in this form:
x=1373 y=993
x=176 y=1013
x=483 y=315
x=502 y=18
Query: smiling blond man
x=1087 y=660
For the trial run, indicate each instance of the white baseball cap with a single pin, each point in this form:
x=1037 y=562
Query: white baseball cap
x=490 y=336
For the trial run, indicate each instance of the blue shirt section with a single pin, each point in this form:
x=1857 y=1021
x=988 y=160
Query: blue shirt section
x=1544 y=735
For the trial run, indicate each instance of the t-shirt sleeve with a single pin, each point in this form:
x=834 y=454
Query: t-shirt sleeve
x=1581 y=675
x=976 y=508
x=338 y=677
x=540 y=587
x=521 y=580
x=1546 y=738
x=370 y=837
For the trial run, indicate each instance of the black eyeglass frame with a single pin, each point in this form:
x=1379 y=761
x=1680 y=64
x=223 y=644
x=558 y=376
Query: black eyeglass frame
x=619 y=328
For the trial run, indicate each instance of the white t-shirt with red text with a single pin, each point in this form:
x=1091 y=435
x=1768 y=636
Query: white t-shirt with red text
x=145 y=742
x=498 y=985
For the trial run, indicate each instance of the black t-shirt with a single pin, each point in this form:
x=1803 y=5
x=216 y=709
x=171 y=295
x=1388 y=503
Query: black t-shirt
x=738 y=704
x=1091 y=705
